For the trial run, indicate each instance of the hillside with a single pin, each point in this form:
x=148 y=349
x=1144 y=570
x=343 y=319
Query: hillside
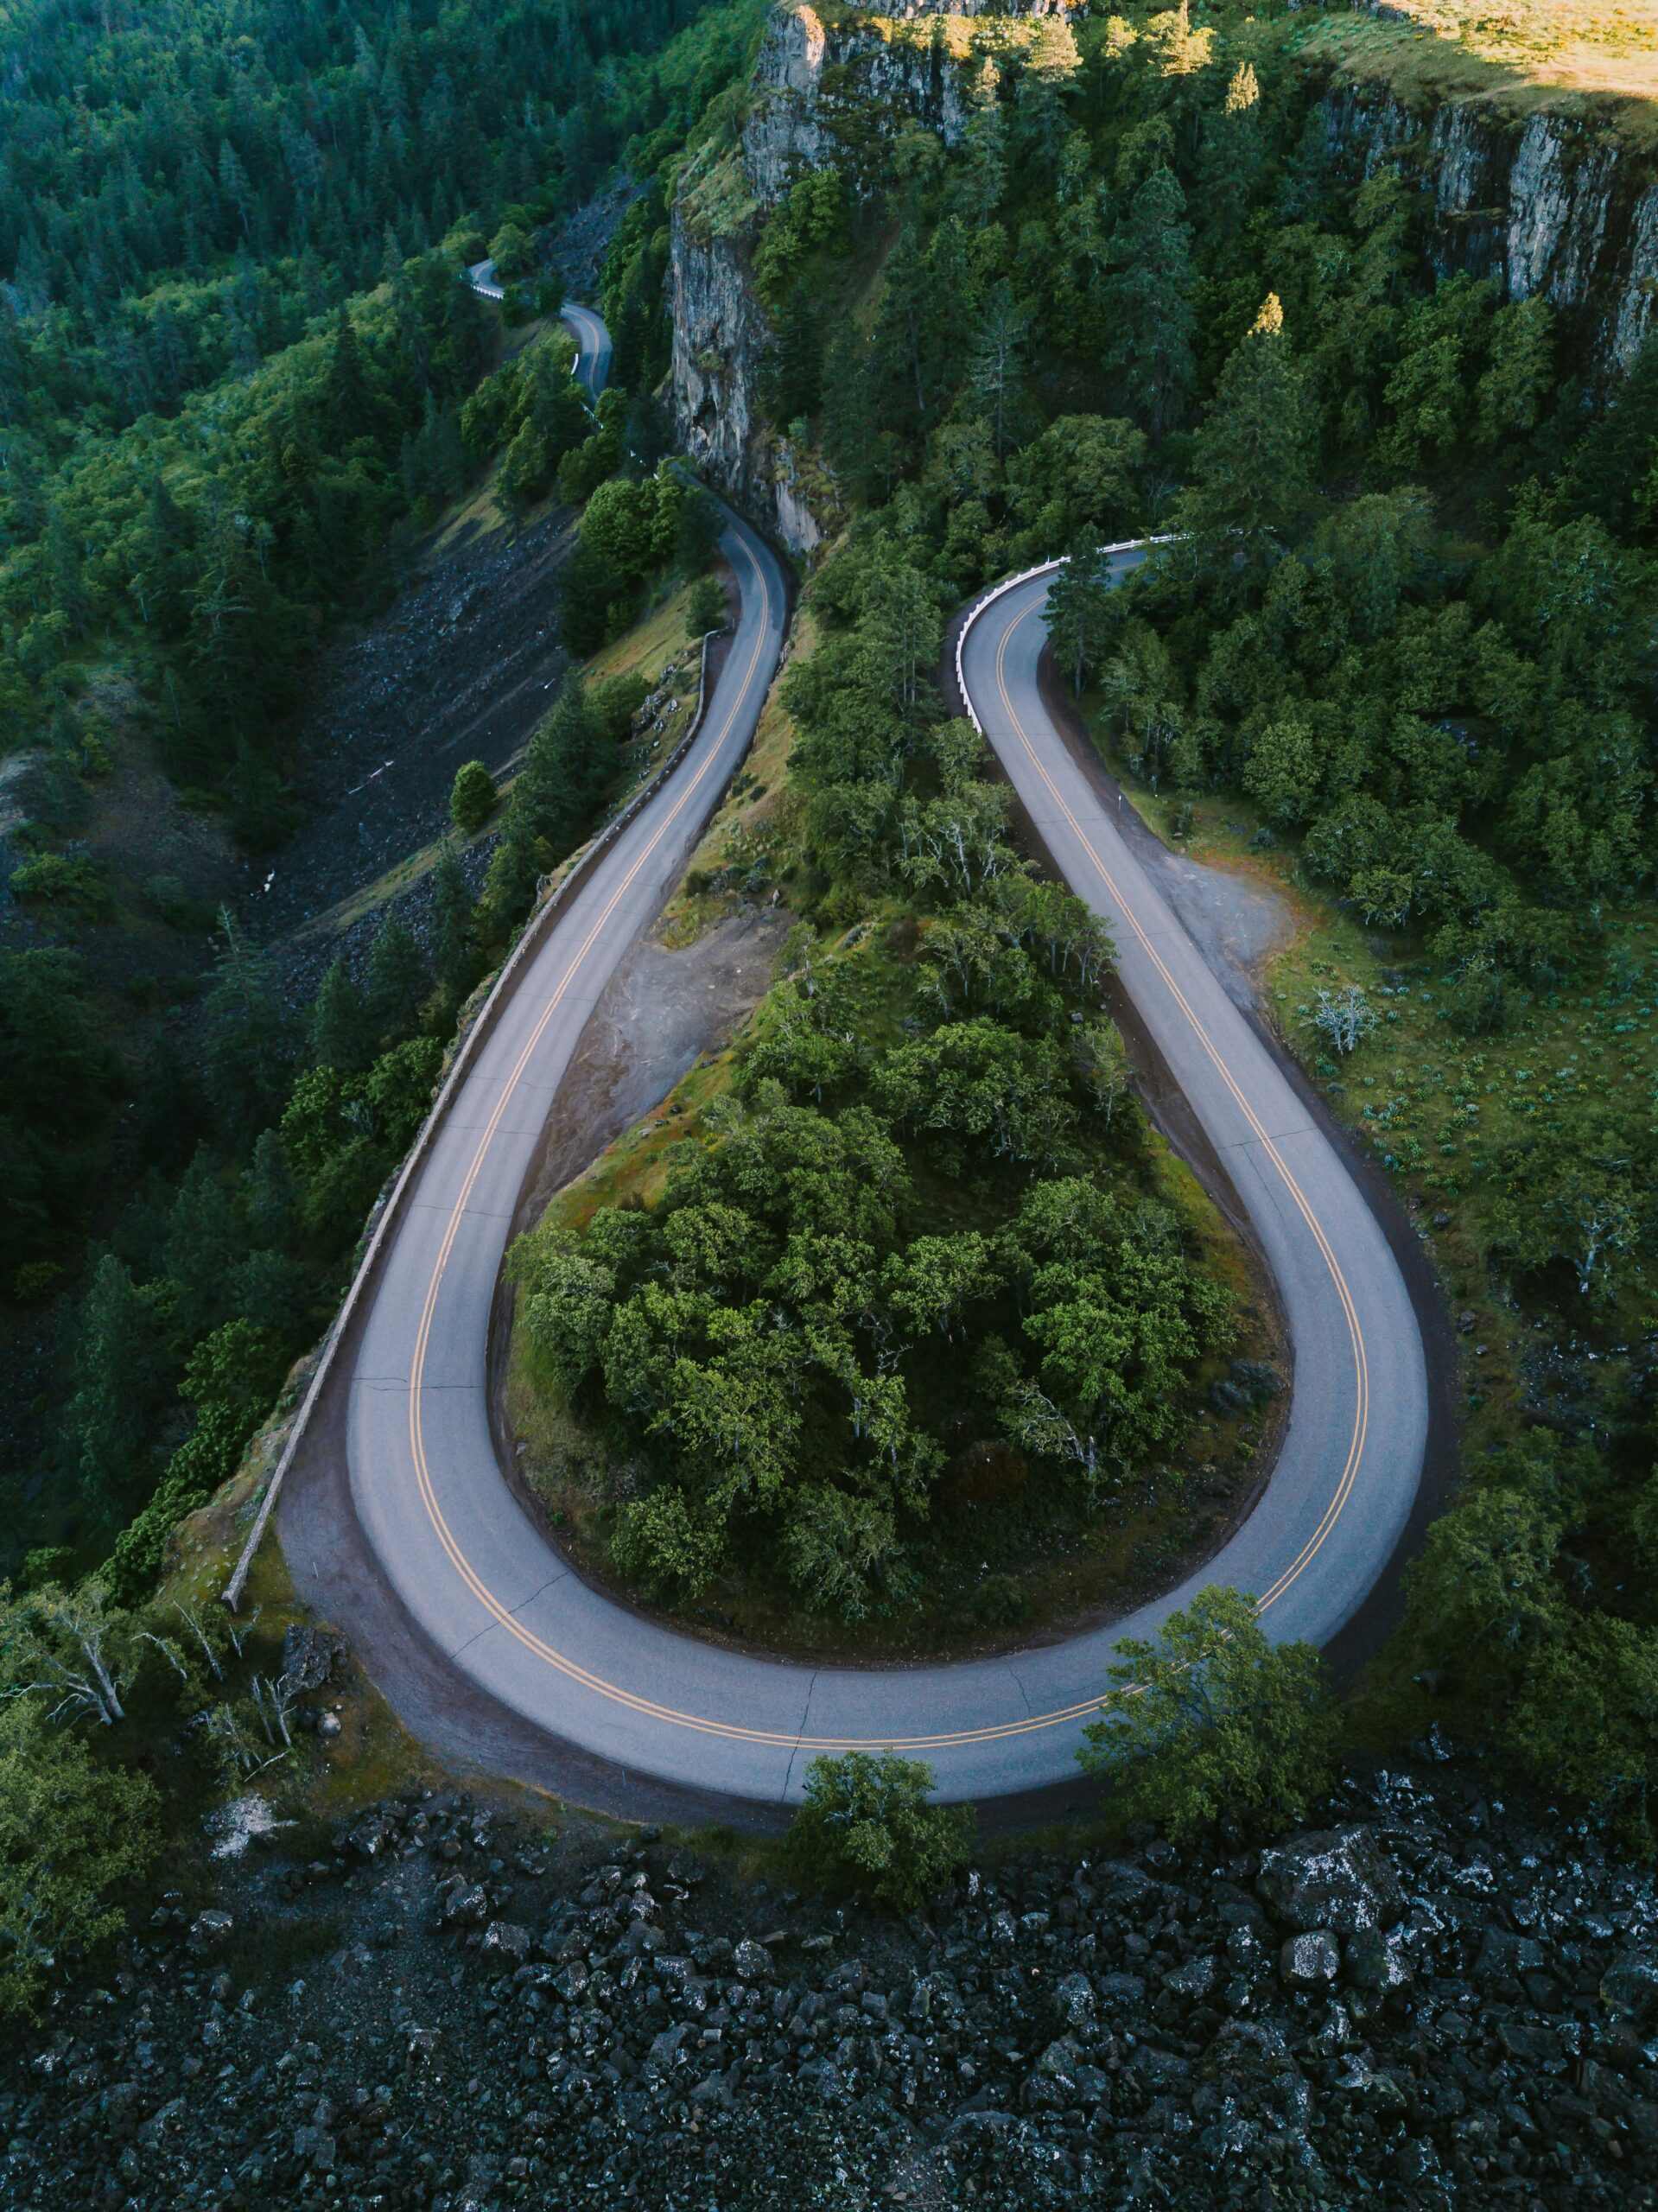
x=914 y=1324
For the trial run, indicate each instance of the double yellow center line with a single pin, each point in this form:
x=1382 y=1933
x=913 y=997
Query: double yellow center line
x=651 y=1708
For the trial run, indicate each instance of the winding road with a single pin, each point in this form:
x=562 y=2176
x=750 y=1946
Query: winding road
x=483 y=1584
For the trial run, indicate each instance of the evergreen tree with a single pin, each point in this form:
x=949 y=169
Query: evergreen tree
x=999 y=360
x=1252 y=487
x=1149 y=304
x=120 y=1371
x=1081 y=613
x=269 y=1195
x=245 y=1057
x=795 y=366
x=453 y=910
x=397 y=985
x=473 y=797
x=339 y=1027
x=348 y=405
x=204 y=1244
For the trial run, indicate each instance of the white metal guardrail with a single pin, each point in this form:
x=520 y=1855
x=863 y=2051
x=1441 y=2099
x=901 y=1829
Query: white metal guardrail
x=1012 y=583
x=536 y=930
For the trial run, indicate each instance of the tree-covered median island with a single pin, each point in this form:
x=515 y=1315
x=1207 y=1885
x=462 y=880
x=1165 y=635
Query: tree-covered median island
x=915 y=1333
x=1173 y=280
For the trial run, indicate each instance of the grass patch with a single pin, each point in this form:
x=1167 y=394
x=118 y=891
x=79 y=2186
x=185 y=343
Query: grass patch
x=751 y=828
x=1569 y=55
x=1437 y=1108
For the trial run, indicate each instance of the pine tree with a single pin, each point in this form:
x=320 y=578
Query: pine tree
x=398 y=983
x=998 y=359
x=347 y=403
x=453 y=908
x=205 y=1240
x=246 y=1056
x=1081 y=612
x=1252 y=486
x=120 y=1375
x=1149 y=310
x=796 y=367
x=269 y=1195
x=340 y=1030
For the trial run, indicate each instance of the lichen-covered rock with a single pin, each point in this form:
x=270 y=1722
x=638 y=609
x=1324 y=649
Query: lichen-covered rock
x=1336 y=1879
x=1552 y=203
x=311 y=1655
x=505 y=1939
x=1629 y=1985
x=1311 y=1961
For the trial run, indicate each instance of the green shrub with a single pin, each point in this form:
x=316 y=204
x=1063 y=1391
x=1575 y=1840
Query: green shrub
x=70 y=884
x=708 y=608
x=1214 y=1720
x=73 y=1835
x=474 y=799
x=511 y=250
x=866 y=1824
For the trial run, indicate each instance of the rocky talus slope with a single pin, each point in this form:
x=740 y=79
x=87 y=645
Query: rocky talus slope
x=1426 y=2002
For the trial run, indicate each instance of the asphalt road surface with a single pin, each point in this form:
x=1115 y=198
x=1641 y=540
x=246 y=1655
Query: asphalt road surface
x=591 y=334
x=488 y=1589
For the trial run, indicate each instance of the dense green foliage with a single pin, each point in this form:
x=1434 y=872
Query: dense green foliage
x=119 y=1726
x=1406 y=616
x=472 y=798
x=920 y=1228
x=1214 y=1721
x=865 y=1824
x=183 y=185
x=237 y=350
x=178 y=523
x=73 y=1836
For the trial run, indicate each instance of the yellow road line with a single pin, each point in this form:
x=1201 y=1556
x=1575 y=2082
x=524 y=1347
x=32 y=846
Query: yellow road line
x=785 y=1739
x=1362 y=1395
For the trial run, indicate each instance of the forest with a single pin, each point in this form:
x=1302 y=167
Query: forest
x=916 y=1288
x=239 y=356
x=1404 y=625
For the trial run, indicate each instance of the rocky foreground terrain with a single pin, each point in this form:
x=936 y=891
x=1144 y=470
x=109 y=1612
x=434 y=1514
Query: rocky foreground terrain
x=1427 y=2002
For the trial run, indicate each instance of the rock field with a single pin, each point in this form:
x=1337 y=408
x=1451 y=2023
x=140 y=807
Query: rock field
x=1427 y=2002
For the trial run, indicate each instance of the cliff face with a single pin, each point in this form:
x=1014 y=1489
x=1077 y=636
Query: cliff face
x=1549 y=203
x=1552 y=205
x=830 y=86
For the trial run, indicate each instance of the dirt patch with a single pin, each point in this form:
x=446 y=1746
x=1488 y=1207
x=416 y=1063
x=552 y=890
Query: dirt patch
x=1238 y=921
x=661 y=1012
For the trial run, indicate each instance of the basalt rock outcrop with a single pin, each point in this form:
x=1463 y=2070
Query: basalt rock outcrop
x=832 y=84
x=1553 y=204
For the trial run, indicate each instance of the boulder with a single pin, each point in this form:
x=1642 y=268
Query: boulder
x=1195 y=1979
x=1374 y=1960
x=1629 y=1986
x=211 y=1929
x=1505 y=1956
x=505 y=1939
x=1073 y=1996
x=751 y=1962
x=1312 y=1960
x=311 y=1654
x=1335 y=1878
x=1119 y=1991
x=466 y=1906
